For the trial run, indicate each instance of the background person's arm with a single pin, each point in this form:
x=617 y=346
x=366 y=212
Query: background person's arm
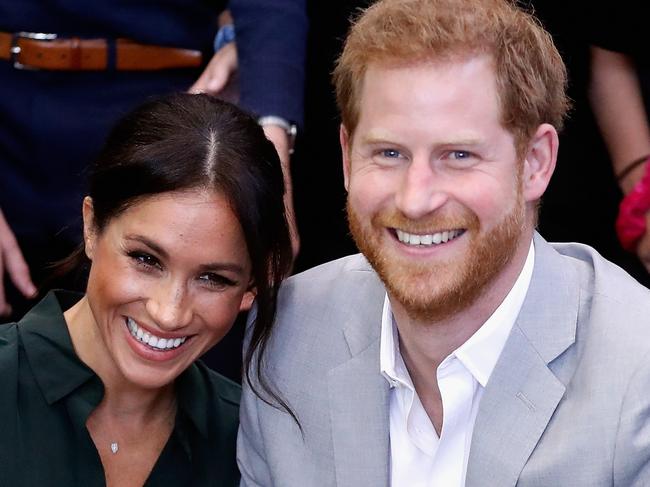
x=617 y=103
x=13 y=264
x=269 y=55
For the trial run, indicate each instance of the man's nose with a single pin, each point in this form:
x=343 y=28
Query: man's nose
x=421 y=190
x=169 y=305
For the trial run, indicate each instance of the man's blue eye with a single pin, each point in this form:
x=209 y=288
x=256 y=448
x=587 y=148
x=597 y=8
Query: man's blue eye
x=461 y=154
x=390 y=153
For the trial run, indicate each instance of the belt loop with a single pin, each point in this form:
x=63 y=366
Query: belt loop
x=75 y=53
x=14 y=51
x=111 y=54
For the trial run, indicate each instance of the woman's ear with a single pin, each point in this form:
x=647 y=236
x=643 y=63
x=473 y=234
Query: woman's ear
x=90 y=230
x=247 y=299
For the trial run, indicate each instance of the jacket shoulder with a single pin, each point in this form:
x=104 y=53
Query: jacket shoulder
x=316 y=307
x=612 y=317
x=342 y=274
x=605 y=282
x=329 y=294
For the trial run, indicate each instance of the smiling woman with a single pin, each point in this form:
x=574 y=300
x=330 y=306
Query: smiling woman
x=184 y=226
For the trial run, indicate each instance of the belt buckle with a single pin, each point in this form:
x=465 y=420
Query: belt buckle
x=15 y=48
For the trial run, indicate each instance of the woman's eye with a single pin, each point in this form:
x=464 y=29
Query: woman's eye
x=145 y=260
x=216 y=281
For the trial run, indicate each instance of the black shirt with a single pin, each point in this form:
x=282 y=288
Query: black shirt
x=48 y=394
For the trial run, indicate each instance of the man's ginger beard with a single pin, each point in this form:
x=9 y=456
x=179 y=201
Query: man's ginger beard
x=431 y=292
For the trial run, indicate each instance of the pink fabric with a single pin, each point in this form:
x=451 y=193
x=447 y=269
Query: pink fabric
x=631 y=221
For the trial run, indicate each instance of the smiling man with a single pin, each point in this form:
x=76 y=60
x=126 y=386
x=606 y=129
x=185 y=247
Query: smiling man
x=461 y=349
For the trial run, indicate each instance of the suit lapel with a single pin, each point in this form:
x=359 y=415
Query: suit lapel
x=523 y=392
x=359 y=402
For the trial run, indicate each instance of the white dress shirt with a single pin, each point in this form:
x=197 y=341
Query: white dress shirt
x=419 y=458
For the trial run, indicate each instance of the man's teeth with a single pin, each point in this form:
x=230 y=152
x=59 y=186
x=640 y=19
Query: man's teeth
x=429 y=239
x=152 y=340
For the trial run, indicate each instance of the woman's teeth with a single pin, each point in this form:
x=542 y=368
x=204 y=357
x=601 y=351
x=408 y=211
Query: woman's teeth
x=428 y=239
x=153 y=341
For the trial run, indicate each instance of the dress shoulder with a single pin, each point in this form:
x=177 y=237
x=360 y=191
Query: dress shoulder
x=221 y=386
x=209 y=398
x=8 y=333
x=8 y=348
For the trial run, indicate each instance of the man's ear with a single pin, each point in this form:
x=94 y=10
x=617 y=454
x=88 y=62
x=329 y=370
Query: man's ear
x=90 y=230
x=539 y=163
x=344 y=138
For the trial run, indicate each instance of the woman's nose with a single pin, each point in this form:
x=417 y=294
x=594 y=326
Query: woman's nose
x=170 y=306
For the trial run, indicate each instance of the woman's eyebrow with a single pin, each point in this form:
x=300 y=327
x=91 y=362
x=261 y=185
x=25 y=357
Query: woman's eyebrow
x=222 y=266
x=149 y=243
x=211 y=266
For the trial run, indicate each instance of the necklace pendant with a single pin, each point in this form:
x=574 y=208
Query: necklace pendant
x=114 y=447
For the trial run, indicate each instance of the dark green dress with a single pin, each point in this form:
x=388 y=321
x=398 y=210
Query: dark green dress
x=47 y=394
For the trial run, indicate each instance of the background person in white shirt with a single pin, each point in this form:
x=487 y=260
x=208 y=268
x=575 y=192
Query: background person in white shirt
x=461 y=349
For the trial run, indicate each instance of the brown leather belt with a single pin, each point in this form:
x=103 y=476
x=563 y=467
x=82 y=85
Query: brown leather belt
x=29 y=50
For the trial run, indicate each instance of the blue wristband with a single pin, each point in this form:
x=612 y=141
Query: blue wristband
x=225 y=35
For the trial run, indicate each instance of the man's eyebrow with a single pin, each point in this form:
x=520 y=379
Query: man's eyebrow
x=462 y=141
x=149 y=243
x=380 y=136
x=377 y=138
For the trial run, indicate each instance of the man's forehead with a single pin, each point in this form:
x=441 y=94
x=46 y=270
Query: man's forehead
x=393 y=79
x=453 y=81
x=451 y=86
x=442 y=62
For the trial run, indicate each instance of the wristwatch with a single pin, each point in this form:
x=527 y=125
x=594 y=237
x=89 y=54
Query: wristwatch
x=225 y=35
x=291 y=129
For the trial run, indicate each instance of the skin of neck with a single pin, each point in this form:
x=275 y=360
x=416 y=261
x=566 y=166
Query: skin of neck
x=122 y=398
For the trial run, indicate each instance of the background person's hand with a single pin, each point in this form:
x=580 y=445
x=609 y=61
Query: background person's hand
x=218 y=72
x=12 y=263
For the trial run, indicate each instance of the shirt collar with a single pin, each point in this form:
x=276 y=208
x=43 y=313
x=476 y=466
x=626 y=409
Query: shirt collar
x=48 y=346
x=390 y=359
x=479 y=354
x=59 y=372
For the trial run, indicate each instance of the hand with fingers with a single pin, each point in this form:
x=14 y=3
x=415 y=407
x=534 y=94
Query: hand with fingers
x=218 y=77
x=218 y=72
x=13 y=264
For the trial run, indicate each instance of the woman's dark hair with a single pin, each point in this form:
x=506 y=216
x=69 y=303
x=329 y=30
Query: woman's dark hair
x=182 y=142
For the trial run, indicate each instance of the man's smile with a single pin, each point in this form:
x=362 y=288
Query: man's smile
x=429 y=238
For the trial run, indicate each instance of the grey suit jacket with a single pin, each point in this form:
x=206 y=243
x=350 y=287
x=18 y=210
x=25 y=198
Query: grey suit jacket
x=568 y=403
